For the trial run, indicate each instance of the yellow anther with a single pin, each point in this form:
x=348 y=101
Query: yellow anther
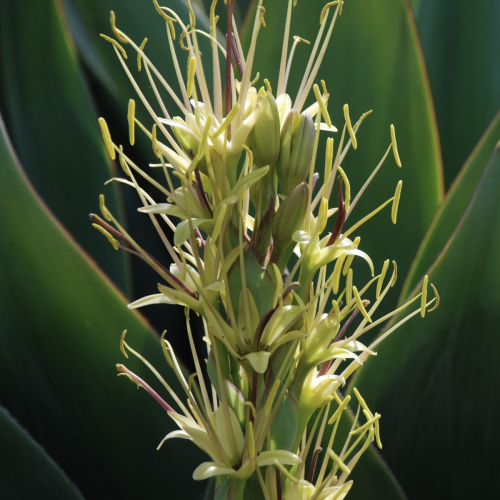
x=122 y=344
x=184 y=34
x=116 y=44
x=395 y=146
x=350 y=258
x=395 y=273
x=191 y=74
x=323 y=84
x=322 y=216
x=336 y=308
x=424 y=296
x=365 y=426
x=191 y=381
x=170 y=20
x=349 y=126
x=336 y=273
x=340 y=409
x=326 y=7
x=154 y=142
x=395 y=203
x=107 y=138
x=362 y=402
x=102 y=206
x=139 y=55
x=377 y=432
x=268 y=85
x=123 y=164
x=360 y=304
x=322 y=106
x=381 y=278
x=255 y=80
x=263 y=11
x=437 y=299
x=229 y=118
x=342 y=466
x=131 y=121
x=116 y=31
x=349 y=288
x=298 y=39
x=108 y=235
x=328 y=164
x=347 y=202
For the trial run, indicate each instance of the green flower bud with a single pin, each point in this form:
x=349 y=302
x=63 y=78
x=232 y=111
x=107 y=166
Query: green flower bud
x=288 y=219
x=296 y=152
x=264 y=139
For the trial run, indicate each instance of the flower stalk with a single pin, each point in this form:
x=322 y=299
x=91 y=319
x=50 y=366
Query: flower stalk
x=253 y=257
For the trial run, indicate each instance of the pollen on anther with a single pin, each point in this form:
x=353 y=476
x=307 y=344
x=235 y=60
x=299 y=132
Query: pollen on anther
x=349 y=126
x=131 y=121
x=395 y=203
x=395 y=146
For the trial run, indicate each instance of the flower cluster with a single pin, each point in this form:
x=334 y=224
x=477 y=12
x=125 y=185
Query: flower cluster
x=252 y=257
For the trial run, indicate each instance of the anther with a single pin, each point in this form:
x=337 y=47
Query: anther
x=122 y=342
x=423 y=302
x=107 y=138
x=395 y=146
x=381 y=278
x=139 y=55
x=437 y=299
x=350 y=258
x=268 y=85
x=131 y=121
x=108 y=235
x=395 y=203
x=349 y=126
x=116 y=44
x=347 y=188
x=349 y=288
x=116 y=31
x=360 y=304
x=322 y=106
x=103 y=208
x=191 y=73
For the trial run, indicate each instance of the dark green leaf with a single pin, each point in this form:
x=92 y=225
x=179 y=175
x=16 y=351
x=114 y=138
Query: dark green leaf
x=27 y=471
x=453 y=207
x=435 y=381
x=60 y=326
x=461 y=43
x=53 y=124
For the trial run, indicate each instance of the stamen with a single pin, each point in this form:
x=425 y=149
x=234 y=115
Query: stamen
x=350 y=258
x=104 y=211
x=342 y=466
x=360 y=304
x=327 y=7
x=347 y=188
x=123 y=164
x=381 y=278
x=107 y=138
x=349 y=126
x=108 y=235
x=336 y=273
x=328 y=166
x=296 y=41
x=322 y=106
x=424 y=296
x=170 y=20
x=131 y=121
x=349 y=289
x=362 y=402
x=122 y=347
x=287 y=474
x=268 y=85
x=395 y=146
x=437 y=299
x=139 y=55
x=225 y=124
x=116 y=44
x=365 y=426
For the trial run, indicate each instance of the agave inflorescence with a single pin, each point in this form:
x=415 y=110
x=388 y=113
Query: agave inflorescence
x=250 y=255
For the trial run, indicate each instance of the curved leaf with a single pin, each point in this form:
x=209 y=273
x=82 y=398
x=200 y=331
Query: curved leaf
x=435 y=381
x=461 y=43
x=53 y=124
x=27 y=471
x=60 y=326
x=453 y=207
x=374 y=62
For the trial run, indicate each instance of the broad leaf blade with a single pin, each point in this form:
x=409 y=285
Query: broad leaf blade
x=434 y=381
x=453 y=207
x=374 y=62
x=53 y=124
x=461 y=43
x=27 y=471
x=60 y=325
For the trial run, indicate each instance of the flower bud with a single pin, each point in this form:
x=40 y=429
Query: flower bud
x=188 y=140
x=297 y=147
x=264 y=139
x=288 y=219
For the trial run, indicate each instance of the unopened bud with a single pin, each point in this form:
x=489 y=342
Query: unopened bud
x=264 y=139
x=297 y=147
x=288 y=219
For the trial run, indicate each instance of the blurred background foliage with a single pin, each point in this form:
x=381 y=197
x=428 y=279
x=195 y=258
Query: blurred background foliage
x=68 y=427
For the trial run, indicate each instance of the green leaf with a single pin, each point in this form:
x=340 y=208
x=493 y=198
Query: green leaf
x=374 y=62
x=53 y=124
x=453 y=207
x=27 y=471
x=435 y=380
x=461 y=43
x=60 y=326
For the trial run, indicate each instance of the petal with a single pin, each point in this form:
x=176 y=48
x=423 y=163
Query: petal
x=211 y=469
x=282 y=456
x=157 y=298
x=259 y=360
